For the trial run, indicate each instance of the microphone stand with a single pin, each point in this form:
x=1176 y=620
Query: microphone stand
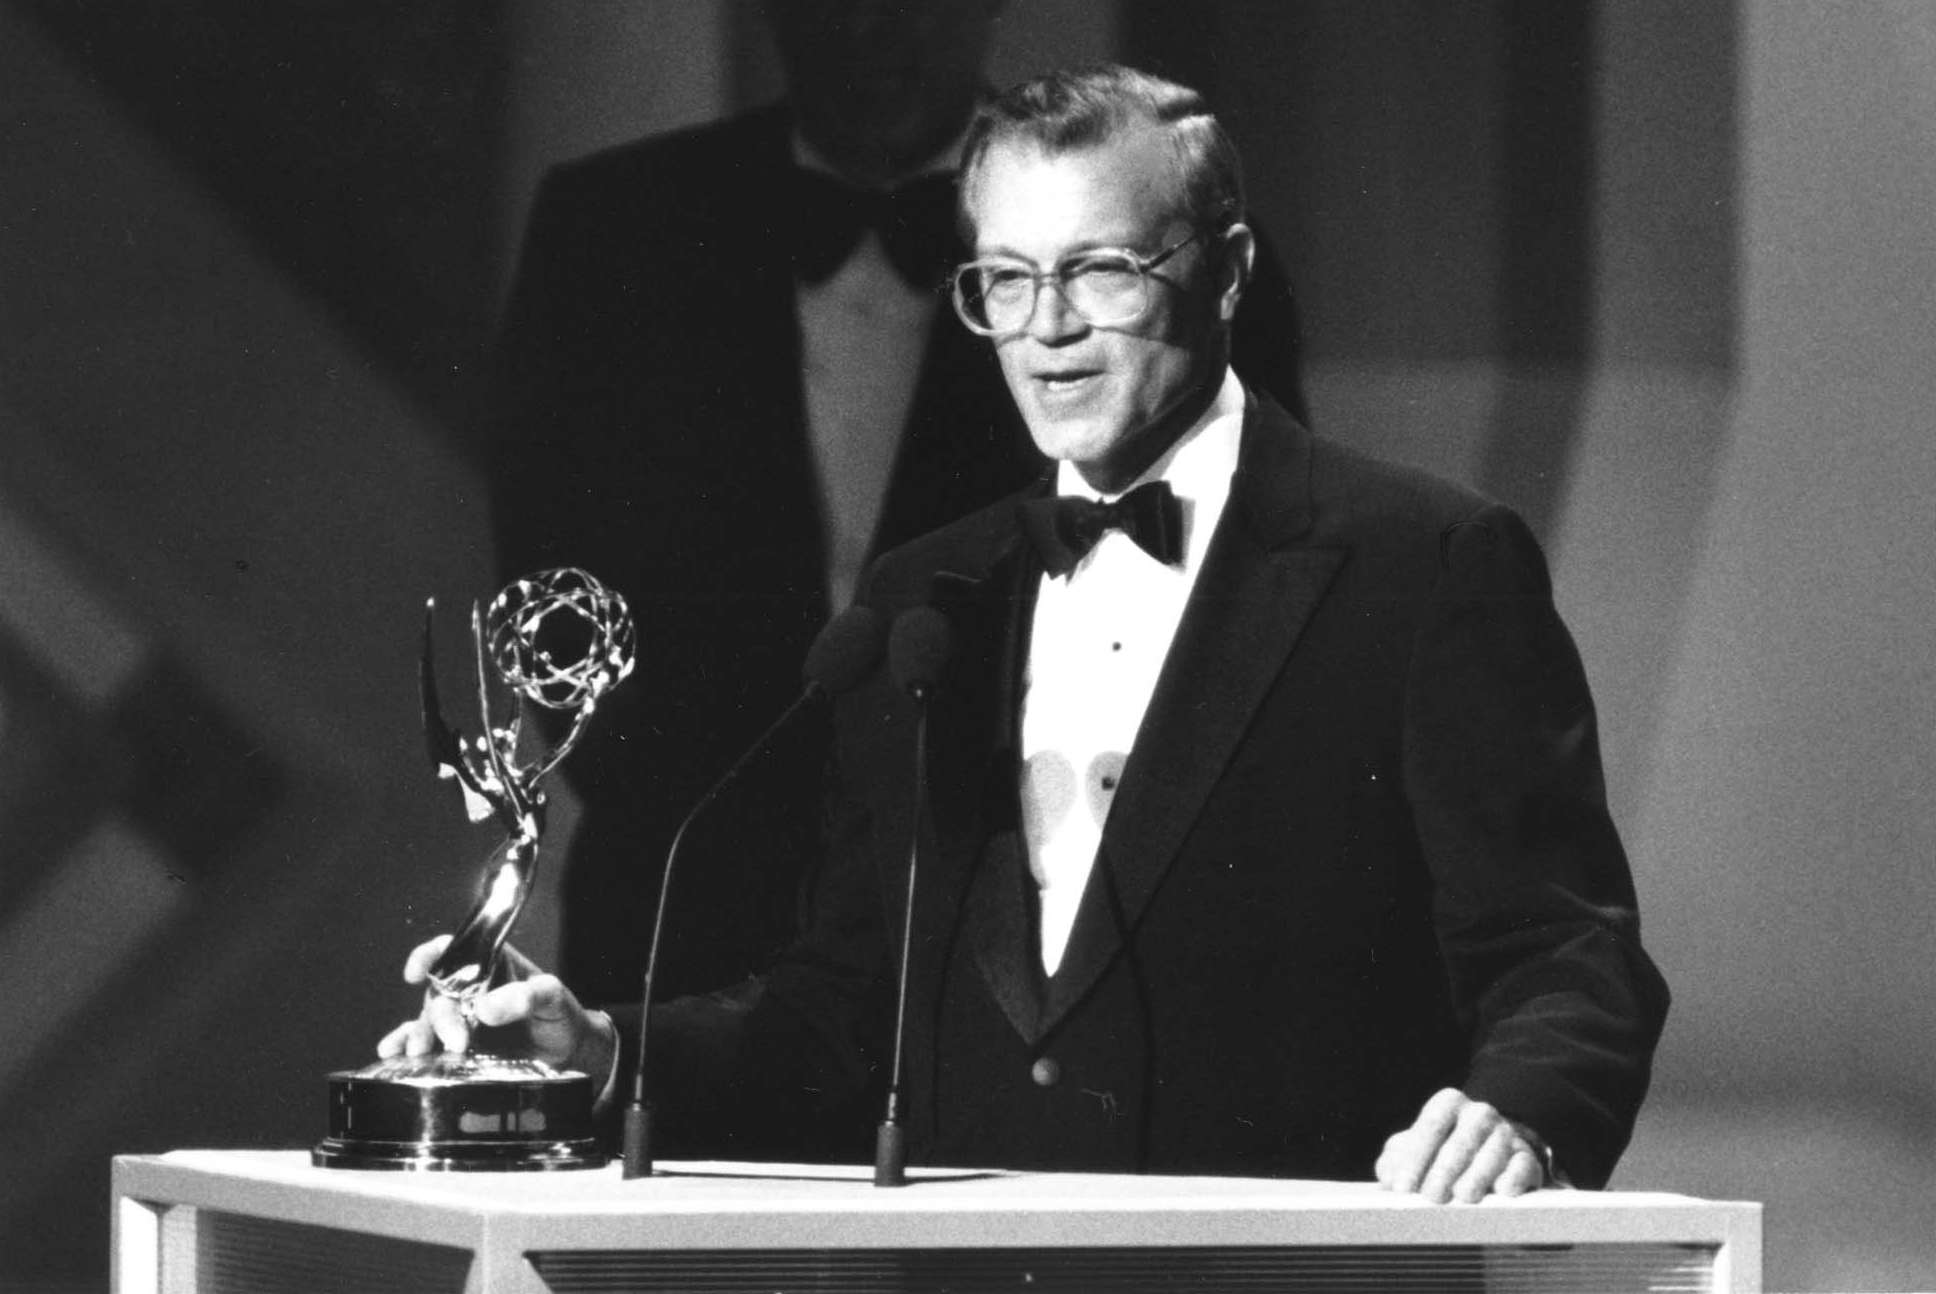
x=636 y=1145
x=919 y=651
x=890 y=1139
x=846 y=647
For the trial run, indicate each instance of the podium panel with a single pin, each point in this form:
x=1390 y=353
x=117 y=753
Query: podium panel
x=267 y=1222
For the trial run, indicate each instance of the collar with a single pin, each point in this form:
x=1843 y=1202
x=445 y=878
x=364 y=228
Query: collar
x=1199 y=467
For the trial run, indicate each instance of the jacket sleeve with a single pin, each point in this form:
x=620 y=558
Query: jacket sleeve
x=1534 y=902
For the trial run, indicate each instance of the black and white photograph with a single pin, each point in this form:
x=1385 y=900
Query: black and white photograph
x=967 y=646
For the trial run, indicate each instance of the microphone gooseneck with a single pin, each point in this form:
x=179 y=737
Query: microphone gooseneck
x=920 y=648
x=845 y=650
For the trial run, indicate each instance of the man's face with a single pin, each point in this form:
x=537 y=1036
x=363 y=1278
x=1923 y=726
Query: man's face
x=882 y=85
x=1110 y=400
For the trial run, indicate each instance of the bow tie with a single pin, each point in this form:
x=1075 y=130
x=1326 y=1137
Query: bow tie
x=1065 y=528
x=915 y=221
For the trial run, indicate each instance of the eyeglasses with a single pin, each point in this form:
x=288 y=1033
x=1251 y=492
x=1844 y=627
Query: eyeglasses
x=1107 y=286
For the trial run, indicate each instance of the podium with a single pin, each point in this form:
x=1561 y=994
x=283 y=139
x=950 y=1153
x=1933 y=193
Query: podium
x=267 y=1222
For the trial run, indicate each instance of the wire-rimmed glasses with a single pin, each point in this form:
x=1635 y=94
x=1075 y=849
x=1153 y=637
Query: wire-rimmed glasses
x=1106 y=286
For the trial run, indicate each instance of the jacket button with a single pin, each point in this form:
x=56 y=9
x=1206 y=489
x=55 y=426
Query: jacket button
x=1046 y=1072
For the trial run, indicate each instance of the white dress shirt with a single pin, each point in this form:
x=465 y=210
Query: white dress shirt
x=863 y=333
x=1099 y=639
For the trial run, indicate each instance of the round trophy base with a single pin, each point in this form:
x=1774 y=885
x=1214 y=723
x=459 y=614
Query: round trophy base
x=460 y=1113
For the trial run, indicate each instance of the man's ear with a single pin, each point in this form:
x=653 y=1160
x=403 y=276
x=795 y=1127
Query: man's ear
x=1233 y=275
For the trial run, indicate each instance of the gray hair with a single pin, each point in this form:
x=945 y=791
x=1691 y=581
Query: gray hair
x=1077 y=108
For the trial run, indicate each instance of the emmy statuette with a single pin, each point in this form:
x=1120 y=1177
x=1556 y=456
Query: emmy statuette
x=560 y=640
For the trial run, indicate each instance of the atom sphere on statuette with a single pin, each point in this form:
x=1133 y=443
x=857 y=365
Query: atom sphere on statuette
x=560 y=637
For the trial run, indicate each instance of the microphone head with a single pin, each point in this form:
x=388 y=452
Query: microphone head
x=845 y=650
x=920 y=648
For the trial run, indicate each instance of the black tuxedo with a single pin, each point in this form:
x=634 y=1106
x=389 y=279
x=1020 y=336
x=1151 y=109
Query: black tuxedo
x=647 y=423
x=1359 y=852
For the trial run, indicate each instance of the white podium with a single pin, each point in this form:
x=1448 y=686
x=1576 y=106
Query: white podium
x=266 y=1222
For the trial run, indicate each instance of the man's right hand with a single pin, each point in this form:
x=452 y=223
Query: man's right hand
x=531 y=1013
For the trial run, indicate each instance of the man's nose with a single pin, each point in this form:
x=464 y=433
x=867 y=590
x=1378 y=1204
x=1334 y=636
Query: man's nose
x=1053 y=318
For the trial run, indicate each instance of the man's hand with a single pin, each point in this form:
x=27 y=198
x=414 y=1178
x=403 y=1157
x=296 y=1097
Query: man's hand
x=1461 y=1149
x=531 y=1014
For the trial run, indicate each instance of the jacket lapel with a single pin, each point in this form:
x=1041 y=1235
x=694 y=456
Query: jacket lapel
x=979 y=890
x=1256 y=591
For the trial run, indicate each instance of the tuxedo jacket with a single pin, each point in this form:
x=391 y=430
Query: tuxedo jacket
x=647 y=423
x=1360 y=851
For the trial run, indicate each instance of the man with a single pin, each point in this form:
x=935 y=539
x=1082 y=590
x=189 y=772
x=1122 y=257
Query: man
x=1269 y=839
x=721 y=390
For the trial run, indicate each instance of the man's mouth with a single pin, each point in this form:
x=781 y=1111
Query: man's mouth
x=1066 y=381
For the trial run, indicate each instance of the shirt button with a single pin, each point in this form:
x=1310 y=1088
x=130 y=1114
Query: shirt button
x=1046 y=1072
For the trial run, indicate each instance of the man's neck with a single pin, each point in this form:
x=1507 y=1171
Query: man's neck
x=1225 y=398
x=1157 y=444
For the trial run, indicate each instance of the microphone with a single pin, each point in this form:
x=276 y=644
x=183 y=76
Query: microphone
x=920 y=648
x=845 y=650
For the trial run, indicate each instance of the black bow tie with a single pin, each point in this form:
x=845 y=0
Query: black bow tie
x=916 y=223
x=1066 y=527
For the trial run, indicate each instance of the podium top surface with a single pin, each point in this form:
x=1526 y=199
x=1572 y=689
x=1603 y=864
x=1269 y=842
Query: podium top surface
x=710 y=1205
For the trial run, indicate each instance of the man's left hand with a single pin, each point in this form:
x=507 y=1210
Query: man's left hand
x=1461 y=1149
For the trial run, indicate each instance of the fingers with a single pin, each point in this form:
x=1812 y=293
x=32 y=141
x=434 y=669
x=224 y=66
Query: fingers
x=402 y=1041
x=423 y=1035
x=533 y=1005
x=1478 y=1138
x=551 y=1024
x=416 y=967
x=441 y=1027
x=1409 y=1155
x=429 y=1032
x=1522 y=1173
x=1459 y=1149
x=1482 y=1173
x=542 y=999
x=511 y=964
x=444 y=1016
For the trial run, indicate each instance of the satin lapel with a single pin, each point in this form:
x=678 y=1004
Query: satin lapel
x=976 y=890
x=999 y=918
x=1257 y=589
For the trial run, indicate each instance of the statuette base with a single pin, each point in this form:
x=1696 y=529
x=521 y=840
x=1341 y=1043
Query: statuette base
x=460 y=1113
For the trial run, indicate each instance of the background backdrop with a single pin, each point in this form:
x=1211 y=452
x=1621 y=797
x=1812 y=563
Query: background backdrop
x=1663 y=274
